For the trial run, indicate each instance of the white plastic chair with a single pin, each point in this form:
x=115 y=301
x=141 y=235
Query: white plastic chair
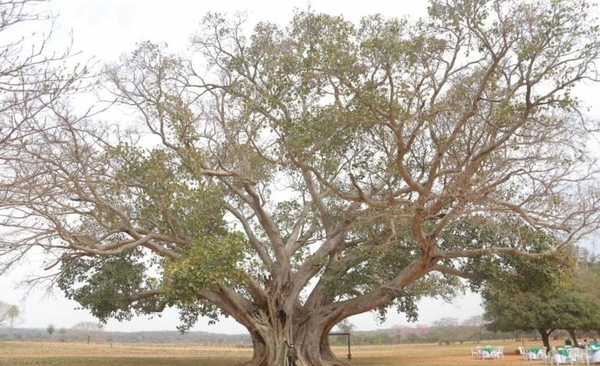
x=487 y=355
x=499 y=352
x=578 y=355
x=562 y=359
x=550 y=356
x=594 y=355
x=545 y=357
x=585 y=356
x=475 y=353
x=523 y=353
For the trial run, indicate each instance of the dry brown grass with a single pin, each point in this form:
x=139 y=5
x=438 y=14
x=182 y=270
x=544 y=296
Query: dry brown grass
x=79 y=354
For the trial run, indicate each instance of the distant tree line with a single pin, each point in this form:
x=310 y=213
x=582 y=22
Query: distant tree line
x=444 y=331
x=75 y=334
x=378 y=337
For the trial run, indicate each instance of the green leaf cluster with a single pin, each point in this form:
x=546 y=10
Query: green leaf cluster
x=208 y=262
x=104 y=284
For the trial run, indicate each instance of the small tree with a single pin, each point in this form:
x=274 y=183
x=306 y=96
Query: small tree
x=8 y=315
x=446 y=329
x=90 y=330
x=344 y=326
x=397 y=332
x=477 y=324
x=63 y=334
x=50 y=330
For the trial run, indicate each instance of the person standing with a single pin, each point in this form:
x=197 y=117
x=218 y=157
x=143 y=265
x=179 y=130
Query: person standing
x=292 y=353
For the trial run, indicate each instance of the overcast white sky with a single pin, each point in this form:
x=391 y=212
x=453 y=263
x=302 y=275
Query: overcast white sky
x=108 y=28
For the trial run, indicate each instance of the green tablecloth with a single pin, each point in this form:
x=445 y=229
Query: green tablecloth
x=563 y=351
x=488 y=349
x=534 y=350
x=593 y=349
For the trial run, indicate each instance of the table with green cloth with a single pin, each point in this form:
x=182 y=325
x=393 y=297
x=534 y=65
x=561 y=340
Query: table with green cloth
x=562 y=355
x=534 y=353
x=594 y=354
x=488 y=352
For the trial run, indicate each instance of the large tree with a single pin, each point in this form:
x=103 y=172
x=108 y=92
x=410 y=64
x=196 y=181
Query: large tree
x=543 y=311
x=587 y=275
x=300 y=175
x=536 y=297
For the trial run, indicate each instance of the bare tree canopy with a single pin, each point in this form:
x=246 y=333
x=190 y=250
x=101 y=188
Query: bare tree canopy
x=91 y=330
x=292 y=177
x=34 y=80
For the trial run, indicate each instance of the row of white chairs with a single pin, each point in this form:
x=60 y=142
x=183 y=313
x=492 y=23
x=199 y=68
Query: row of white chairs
x=574 y=355
x=484 y=353
x=529 y=355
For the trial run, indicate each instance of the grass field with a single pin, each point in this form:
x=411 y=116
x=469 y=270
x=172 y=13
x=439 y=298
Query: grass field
x=79 y=354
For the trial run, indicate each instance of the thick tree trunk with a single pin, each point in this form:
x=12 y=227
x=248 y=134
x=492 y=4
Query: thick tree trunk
x=573 y=337
x=310 y=339
x=268 y=350
x=545 y=334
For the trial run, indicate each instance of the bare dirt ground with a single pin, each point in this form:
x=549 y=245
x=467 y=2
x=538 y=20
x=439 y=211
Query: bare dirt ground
x=106 y=354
